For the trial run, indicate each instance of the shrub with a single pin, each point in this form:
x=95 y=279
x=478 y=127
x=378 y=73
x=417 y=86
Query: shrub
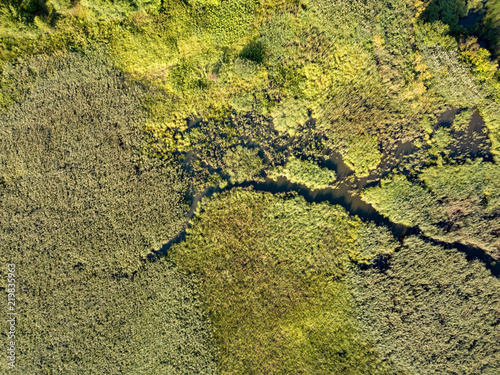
x=254 y=51
x=446 y=11
x=242 y=164
x=288 y=115
x=362 y=155
x=462 y=120
x=492 y=20
x=479 y=58
x=304 y=172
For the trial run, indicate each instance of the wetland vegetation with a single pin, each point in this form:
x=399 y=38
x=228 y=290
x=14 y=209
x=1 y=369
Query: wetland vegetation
x=250 y=186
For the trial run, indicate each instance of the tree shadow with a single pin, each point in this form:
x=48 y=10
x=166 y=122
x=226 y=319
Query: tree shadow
x=449 y=12
x=481 y=21
x=255 y=51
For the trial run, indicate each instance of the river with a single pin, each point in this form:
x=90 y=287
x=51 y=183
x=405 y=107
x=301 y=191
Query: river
x=347 y=196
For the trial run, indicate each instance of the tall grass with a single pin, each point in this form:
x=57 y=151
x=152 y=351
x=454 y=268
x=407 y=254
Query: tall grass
x=271 y=274
x=80 y=208
x=431 y=311
x=450 y=202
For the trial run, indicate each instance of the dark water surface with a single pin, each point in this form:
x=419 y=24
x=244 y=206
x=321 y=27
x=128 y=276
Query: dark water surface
x=354 y=205
x=346 y=195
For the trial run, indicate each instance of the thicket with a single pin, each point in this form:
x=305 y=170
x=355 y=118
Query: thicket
x=359 y=68
x=450 y=202
x=304 y=172
x=374 y=243
x=431 y=311
x=461 y=72
x=80 y=208
x=493 y=23
x=366 y=84
x=271 y=269
x=227 y=149
x=282 y=61
x=484 y=17
x=446 y=11
x=242 y=164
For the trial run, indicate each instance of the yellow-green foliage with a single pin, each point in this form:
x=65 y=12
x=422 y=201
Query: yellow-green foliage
x=440 y=142
x=472 y=180
x=79 y=129
x=111 y=9
x=288 y=115
x=434 y=34
x=462 y=120
x=13 y=33
x=229 y=21
x=463 y=76
x=81 y=203
x=452 y=79
x=304 y=172
x=427 y=124
x=72 y=322
x=184 y=52
x=493 y=22
x=178 y=50
x=400 y=200
x=446 y=11
x=454 y=203
x=362 y=155
x=479 y=58
x=378 y=80
x=491 y=115
x=372 y=241
x=350 y=61
x=209 y=58
x=242 y=164
x=270 y=273
x=355 y=115
x=145 y=54
x=225 y=147
x=204 y=3
x=344 y=19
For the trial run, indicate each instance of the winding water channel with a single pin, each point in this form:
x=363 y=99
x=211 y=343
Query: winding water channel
x=347 y=196
x=354 y=205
